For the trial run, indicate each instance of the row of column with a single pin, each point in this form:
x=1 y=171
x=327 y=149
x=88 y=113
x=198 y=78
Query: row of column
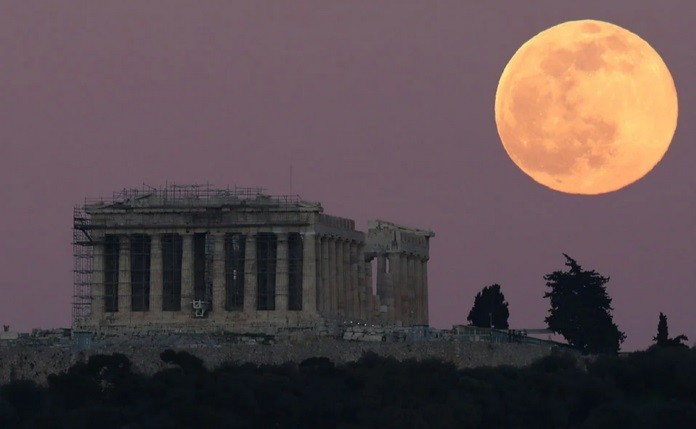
x=402 y=287
x=340 y=277
x=309 y=279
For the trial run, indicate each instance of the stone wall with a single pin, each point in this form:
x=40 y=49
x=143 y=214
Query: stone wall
x=35 y=361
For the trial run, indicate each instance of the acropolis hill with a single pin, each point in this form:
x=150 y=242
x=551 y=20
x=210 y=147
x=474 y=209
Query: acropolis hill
x=237 y=275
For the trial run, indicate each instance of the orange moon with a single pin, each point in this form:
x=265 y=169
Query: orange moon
x=586 y=107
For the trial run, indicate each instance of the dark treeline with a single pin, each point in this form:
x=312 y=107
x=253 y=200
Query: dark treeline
x=651 y=389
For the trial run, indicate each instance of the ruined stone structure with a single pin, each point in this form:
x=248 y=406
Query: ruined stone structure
x=198 y=258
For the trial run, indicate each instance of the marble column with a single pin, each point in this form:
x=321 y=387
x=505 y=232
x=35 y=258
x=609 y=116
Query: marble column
x=331 y=277
x=340 y=279
x=282 y=280
x=411 y=290
x=405 y=309
x=219 y=291
x=424 y=287
x=418 y=286
x=156 y=279
x=354 y=297
x=250 y=273
x=396 y=286
x=346 y=287
x=309 y=273
x=403 y=295
x=367 y=299
x=318 y=262
x=383 y=283
x=187 y=293
x=97 y=280
x=124 y=276
x=324 y=290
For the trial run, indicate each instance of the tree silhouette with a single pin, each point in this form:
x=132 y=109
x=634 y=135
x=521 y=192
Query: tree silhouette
x=489 y=308
x=662 y=338
x=580 y=309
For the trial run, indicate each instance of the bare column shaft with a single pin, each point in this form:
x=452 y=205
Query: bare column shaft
x=318 y=261
x=332 y=277
x=354 y=298
x=309 y=273
x=368 y=300
x=281 y=289
x=340 y=279
x=219 y=274
x=346 y=294
x=418 y=292
x=325 y=283
x=156 y=276
x=411 y=291
x=124 y=276
x=383 y=283
x=424 y=288
x=395 y=296
x=186 y=272
x=97 y=280
x=403 y=292
x=250 y=273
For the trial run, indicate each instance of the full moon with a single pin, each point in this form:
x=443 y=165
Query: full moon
x=586 y=107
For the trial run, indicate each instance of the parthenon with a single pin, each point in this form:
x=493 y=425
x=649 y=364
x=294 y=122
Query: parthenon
x=237 y=259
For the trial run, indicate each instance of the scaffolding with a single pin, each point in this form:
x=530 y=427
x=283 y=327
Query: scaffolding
x=82 y=267
x=172 y=193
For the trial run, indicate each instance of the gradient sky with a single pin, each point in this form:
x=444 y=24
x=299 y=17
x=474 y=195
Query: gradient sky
x=382 y=109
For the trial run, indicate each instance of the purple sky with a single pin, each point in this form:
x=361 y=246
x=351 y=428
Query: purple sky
x=383 y=110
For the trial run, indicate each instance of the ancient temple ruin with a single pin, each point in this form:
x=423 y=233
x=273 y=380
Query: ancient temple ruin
x=198 y=258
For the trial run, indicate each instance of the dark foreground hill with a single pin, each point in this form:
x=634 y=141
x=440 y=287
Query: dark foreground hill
x=655 y=389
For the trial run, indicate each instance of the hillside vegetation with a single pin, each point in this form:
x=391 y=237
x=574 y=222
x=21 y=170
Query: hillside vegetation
x=651 y=389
